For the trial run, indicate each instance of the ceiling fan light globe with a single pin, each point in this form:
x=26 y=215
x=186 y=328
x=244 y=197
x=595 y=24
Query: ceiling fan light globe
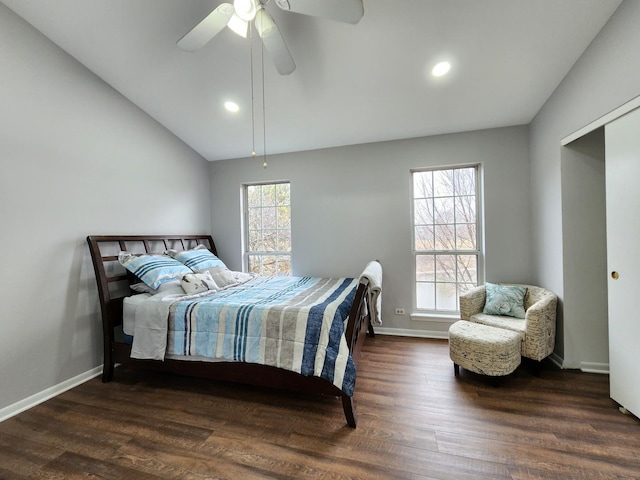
x=238 y=25
x=245 y=9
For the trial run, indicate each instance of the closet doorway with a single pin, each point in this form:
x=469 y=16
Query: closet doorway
x=602 y=161
x=584 y=322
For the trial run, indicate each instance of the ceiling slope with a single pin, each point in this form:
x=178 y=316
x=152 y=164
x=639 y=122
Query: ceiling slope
x=353 y=83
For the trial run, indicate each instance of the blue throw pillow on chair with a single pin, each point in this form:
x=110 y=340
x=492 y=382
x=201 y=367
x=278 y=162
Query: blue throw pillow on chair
x=504 y=300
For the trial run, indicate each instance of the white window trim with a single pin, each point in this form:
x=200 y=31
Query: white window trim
x=245 y=224
x=447 y=316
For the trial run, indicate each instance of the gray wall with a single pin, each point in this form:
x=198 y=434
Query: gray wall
x=67 y=142
x=605 y=77
x=352 y=204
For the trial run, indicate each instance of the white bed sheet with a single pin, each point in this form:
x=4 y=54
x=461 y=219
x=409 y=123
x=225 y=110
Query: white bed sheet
x=129 y=307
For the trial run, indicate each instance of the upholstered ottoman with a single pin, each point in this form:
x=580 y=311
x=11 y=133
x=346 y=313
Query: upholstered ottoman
x=483 y=349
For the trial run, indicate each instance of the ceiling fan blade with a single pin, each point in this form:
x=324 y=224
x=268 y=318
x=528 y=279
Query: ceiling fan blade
x=208 y=28
x=348 y=11
x=274 y=43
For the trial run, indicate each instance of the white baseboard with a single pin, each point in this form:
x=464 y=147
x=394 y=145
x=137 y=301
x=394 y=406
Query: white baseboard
x=590 y=367
x=556 y=359
x=586 y=367
x=407 y=332
x=38 y=398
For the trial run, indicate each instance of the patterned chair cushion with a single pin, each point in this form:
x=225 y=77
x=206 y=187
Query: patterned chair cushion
x=509 y=323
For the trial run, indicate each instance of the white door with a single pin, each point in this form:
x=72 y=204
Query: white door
x=622 y=140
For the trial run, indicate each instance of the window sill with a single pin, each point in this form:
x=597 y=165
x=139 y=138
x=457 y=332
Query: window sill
x=435 y=317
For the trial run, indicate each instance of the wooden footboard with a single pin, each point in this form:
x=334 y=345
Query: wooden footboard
x=113 y=286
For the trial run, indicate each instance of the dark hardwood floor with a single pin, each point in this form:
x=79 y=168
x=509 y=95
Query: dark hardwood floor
x=416 y=421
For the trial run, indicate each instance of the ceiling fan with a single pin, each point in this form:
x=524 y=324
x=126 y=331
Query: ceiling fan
x=239 y=16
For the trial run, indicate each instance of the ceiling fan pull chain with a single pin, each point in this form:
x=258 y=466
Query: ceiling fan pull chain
x=253 y=119
x=264 y=115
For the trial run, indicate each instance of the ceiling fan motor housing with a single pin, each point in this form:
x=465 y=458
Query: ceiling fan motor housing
x=240 y=15
x=246 y=9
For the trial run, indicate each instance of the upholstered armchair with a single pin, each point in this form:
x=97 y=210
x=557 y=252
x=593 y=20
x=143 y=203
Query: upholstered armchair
x=537 y=328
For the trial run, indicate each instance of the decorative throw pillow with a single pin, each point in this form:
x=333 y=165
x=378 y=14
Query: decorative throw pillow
x=153 y=270
x=198 y=259
x=222 y=276
x=504 y=300
x=197 y=282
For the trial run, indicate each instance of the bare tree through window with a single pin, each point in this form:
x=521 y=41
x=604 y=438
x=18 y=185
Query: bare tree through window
x=268 y=226
x=445 y=224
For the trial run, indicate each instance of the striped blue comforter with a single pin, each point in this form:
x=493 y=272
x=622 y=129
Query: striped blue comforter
x=294 y=323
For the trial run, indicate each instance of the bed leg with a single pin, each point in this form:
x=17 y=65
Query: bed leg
x=349 y=410
x=107 y=367
x=370 y=330
x=107 y=372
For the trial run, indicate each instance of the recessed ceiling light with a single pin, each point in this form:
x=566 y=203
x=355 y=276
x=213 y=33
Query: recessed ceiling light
x=231 y=106
x=441 y=69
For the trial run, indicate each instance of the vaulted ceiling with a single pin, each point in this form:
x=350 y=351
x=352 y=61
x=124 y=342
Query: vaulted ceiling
x=353 y=83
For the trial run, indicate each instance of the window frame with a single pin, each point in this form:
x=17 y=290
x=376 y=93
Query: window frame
x=478 y=252
x=246 y=253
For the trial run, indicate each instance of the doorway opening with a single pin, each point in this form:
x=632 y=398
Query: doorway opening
x=584 y=243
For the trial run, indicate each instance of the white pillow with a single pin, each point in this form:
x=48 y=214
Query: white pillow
x=144 y=288
x=197 y=282
x=242 y=277
x=222 y=276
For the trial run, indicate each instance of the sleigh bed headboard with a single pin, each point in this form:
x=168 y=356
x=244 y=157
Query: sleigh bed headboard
x=113 y=280
x=111 y=276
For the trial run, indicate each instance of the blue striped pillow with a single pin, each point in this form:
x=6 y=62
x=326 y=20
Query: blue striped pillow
x=198 y=259
x=153 y=270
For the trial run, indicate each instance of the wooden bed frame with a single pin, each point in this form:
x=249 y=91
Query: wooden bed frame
x=113 y=286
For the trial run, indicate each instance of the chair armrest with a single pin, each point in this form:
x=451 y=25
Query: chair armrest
x=541 y=326
x=544 y=310
x=472 y=302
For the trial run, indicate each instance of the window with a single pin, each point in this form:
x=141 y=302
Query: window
x=446 y=236
x=268 y=229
